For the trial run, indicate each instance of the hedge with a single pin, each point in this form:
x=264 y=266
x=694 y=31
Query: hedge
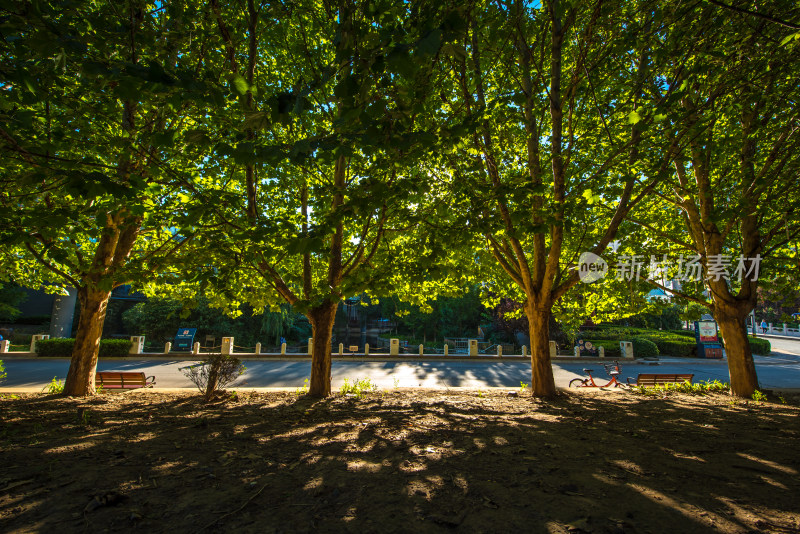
x=109 y=348
x=643 y=348
x=760 y=346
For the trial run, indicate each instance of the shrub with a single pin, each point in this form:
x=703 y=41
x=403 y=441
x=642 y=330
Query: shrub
x=760 y=346
x=109 y=348
x=643 y=348
x=214 y=373
x=3 y=373
x=611 y=346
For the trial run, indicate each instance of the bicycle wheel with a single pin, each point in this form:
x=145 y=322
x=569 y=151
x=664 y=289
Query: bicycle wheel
x=577 y=383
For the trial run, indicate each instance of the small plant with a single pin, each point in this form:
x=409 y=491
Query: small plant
x=303 y=389
x=783 y=401
x=358 y=388
x=396 y=383
x=759 y=396
x=55 y=387
x=3 y=374
x=214 y=373
x=85 y=416
x=480 y=393
x=522 y=386
x=98 y=388
x=234 y=396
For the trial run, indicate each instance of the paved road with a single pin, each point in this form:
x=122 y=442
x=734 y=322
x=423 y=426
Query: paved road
x=781 y=370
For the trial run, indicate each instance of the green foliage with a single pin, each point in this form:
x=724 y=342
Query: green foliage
x=61 y=347
x=214 y=373
x=3 y=373
x=759 y=396
x=759 y=345
x=55 y=387
x=644 y=348
x=10 y=297
x=668 y=343
x=701 y=388
x=302 y=390
x=358 y=388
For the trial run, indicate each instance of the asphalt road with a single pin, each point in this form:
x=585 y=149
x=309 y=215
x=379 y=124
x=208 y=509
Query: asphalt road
x=780 y=371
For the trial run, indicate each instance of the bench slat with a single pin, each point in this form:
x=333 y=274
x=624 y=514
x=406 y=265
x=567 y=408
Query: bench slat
x=123 y=380
x=653 y=379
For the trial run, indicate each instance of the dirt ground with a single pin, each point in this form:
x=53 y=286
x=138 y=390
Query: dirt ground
x=405 y=460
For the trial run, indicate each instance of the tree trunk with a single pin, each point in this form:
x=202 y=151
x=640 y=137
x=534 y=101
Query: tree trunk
x=542 y=382
x=321 y=318
x=744 y=380
x=80 y=378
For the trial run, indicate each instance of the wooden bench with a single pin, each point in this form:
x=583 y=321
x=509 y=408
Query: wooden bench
x=122 y=380
x=659 y=379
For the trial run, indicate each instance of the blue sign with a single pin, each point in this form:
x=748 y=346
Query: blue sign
x=184 y=340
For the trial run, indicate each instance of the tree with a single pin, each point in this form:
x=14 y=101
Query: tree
x=559 y=114
x=316 y=170
x=732 y=202
x=95 y=99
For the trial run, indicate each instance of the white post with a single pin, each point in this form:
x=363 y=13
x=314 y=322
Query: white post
x=784 y=328
x=227 y=345
x=601 y=352
x=626 y=349
x=196 y=348
x=36 y=338
x=524 y=351
x=366 y=349
x=473 y=347
x=553 y=350
x=577 y=351
x=499 y=351
x=394 y=347
x=770 y=328
x=167 y=347
x=4 y=345
x=421 y=349
x=283 y=348
x=258 y=348
x=446 y=349
x=137 y=345
x=341 y=349
x=310 y=346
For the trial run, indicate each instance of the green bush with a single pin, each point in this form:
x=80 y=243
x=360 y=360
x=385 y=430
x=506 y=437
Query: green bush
x=109 y=348
x=675 y=346
x=644 y=348
x=611 y=346
x=3 y=373
x=760 y=346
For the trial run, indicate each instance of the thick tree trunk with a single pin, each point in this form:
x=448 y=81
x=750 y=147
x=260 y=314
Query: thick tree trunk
x=80 y=378
x=744 y=380
x=321 y=319
x=542 y=382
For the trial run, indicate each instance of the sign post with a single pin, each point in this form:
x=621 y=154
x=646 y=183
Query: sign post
x=707 y=337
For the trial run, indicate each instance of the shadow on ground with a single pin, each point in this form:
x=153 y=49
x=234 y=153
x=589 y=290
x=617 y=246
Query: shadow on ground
x=398 y=461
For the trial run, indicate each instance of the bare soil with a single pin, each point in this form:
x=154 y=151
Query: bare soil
x=398 y=461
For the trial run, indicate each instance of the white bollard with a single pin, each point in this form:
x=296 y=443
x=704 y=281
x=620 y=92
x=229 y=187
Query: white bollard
x=626 y=349
x=499 y=351
x=36 y=338
x=366 y=349
x=167 y=347
x=310 y=346
x=601 y=352
x=473 y=347
x=524 y=351
x=283 y=348
x=577 y=352
x=553 y=349
x=196 y=348
x=784 y=328
x=227 y=345
x=4 y=345
x=446 y=349
x=137 y=345
x=421 y=349
x=394 y=347
x=258 y=348
x=341 y=349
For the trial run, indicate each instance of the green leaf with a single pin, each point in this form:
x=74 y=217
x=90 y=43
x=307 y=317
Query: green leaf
x=239 y=84
x=634 y=117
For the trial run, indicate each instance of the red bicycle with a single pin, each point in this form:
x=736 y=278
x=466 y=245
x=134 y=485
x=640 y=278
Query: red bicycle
x=611 y=370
